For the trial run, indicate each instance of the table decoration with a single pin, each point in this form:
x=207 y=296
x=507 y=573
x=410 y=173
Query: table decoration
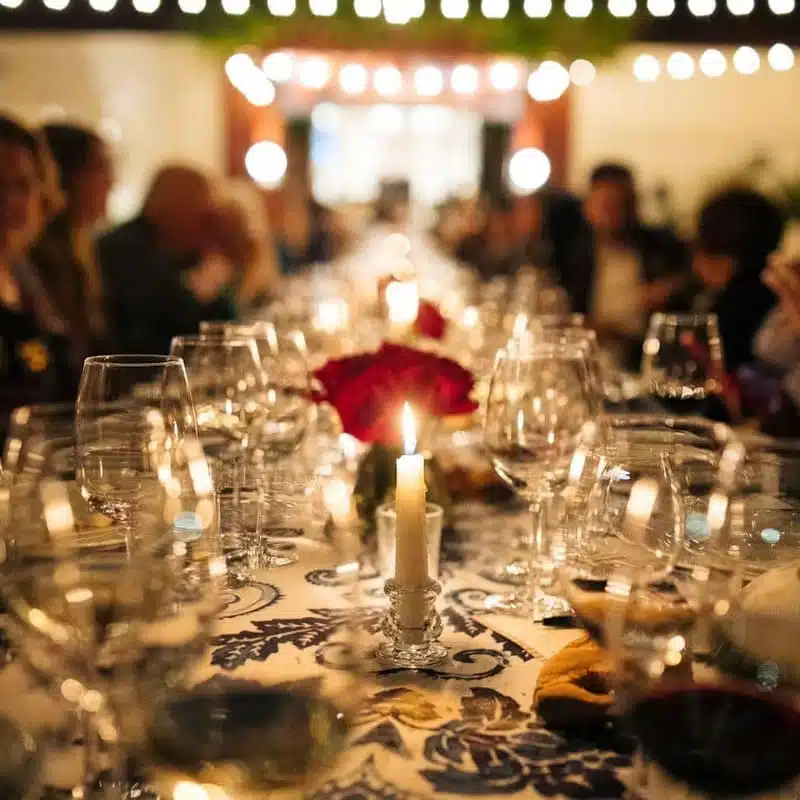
x=368 y=390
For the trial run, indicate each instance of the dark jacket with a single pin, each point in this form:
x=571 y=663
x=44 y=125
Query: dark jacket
x=147 y=300
x=35 y=363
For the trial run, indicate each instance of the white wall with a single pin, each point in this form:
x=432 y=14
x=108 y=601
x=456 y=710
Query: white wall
x=690 y=133
x=161 y=94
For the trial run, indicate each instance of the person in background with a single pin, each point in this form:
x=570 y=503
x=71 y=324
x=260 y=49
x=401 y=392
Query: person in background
x=493 y=250
x=777 y=345
x=34 y=361
x=244 y=237
x=736 y=232
x=305 y=238
x=163 y=271
x=450 y=226
x=618 y=270
x=65 y=255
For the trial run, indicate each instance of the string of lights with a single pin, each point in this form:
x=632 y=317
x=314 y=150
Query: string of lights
x=548 y=81
x=401 y=12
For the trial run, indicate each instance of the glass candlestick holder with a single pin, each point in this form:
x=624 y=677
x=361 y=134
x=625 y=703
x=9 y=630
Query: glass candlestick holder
x=413 y=627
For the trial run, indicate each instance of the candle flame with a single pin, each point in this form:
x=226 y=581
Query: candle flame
x=409 y=430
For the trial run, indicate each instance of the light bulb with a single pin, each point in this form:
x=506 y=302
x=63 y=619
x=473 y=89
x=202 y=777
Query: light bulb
x=579 y=9
x=455 y=9
x=538 y=9
x=746 y=60
x=780 y=57
x=582 y=72
x=528 y=170
x=713 y=63
x=680 y=66
x=646 y=68
x=388 y=81
x=428 y=81
x=548 y=82
x=464 y=79
x=266 y=163
x=353 y=78
x=504 y=76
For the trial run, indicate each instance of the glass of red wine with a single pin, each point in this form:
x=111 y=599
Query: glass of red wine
x=683 y=364
x=707 y=663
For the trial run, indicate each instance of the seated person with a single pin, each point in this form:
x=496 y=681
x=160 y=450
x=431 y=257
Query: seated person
x=34 y=350
x=617 y=270
x=65 y=255
x=777 y=345
x=737 y=230
x=162 y=273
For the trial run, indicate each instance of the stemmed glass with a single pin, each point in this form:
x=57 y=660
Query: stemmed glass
x=638 y=486
x=540 y=396
x=683 y=364
x=123 y=401
x=711 y=691
x=52 y=421
x=100 y=622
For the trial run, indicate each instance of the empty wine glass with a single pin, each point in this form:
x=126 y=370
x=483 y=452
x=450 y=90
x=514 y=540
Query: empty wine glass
x=52 y=421
x=683 y=364
x=638 y=485
x=210 y=736
x=122 y=401
x=97 y=622
x=228 y=387
x=540 y=396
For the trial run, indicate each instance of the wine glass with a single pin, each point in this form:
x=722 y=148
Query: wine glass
x=232 y=738
x=122 y=402
x=99 y=621
x=709 y=683
x=683 y=364
x=540 y=396
x=228 y=386
x=638 y=486
x=47 y=420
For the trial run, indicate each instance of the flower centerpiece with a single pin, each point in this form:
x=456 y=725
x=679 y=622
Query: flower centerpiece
x=368 y=391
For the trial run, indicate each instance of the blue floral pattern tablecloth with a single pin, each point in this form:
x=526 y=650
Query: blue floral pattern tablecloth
x=464 y=728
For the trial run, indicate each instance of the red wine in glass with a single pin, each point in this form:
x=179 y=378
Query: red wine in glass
x=726 y=740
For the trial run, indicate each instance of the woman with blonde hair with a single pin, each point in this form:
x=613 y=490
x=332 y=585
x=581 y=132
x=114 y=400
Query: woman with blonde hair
x=34 y=350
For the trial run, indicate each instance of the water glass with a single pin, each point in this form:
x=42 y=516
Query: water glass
x=386 y=518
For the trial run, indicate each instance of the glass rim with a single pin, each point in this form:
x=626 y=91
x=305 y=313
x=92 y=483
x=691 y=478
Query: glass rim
x=216 y=337
x=684 y=317
x=432 y=510
x=134 y=360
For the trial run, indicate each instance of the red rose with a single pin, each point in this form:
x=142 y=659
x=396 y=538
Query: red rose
x=430 y=321
x=369 y=390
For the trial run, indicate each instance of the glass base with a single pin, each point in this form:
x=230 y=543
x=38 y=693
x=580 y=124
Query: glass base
x=276 y=558
x=520 y=604
x=414 y=656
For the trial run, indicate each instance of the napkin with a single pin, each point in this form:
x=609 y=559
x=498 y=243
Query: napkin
x=574 y=686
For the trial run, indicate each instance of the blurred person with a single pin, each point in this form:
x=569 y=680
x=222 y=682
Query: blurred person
x=449 y=230
x=305 y=237
x=493 y=250
x=737 y=231
x=65 y=253
x=393 y=205
x=245 y=238
x=34 y=359
x=618 y=270
x=163 y=270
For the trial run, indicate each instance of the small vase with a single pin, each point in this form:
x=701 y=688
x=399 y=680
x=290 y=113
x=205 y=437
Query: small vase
x=376 y=479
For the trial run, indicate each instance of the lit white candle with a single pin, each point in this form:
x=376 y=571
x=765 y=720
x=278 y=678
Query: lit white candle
x=411 y=555
x=402 y=301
